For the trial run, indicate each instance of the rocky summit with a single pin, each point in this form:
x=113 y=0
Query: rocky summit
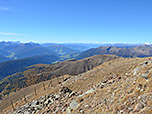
x=119 y=86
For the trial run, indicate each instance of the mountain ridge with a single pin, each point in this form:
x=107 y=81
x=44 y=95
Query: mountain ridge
x=43 y=72
x=138 y=51
x=17 y=50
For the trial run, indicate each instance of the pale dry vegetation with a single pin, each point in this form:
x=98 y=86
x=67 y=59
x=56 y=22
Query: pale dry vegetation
x=116 y=88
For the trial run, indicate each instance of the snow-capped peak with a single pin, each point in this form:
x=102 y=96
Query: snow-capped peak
x=148 y=43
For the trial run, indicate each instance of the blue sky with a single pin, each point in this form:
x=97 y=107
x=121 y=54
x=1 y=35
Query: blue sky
x=84 y=21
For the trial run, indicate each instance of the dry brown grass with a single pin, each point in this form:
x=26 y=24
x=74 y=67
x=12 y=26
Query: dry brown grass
x=29 y=92
x=113 y=97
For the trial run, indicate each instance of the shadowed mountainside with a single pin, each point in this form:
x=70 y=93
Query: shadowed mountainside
x=11 y=67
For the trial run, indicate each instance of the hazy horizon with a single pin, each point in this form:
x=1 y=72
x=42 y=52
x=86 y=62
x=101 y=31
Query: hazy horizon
x=71 y=42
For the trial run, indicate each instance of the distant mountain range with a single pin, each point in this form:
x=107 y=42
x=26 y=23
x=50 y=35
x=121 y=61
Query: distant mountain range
x=135 y=51
x=17 y=50
x=16 y=56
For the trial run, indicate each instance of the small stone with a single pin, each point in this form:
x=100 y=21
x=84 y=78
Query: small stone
x=47 y=102
x=71 y=94
x=121 y=111
x=57 y=97
x=81 y=111
x=64 y=90
x=134 y=82
x=140 y=86
x=145 y=75
x=86 y=106
x=139 y=97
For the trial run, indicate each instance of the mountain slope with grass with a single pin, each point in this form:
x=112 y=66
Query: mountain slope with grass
x=42 y=72
x=122 y=85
